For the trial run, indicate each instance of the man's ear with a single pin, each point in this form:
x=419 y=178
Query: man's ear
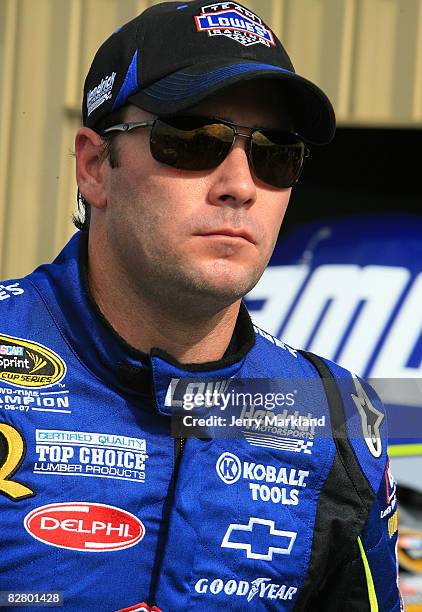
x=90 y=166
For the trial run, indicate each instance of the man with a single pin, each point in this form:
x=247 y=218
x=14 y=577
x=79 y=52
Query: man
x=194 y=134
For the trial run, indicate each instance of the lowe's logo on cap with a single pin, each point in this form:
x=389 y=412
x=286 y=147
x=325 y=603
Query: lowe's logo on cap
x=101 y=93
x=234 y=21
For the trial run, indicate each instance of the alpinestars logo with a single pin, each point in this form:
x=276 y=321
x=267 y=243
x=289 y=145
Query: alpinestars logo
x=234 y=21
x=371 y=419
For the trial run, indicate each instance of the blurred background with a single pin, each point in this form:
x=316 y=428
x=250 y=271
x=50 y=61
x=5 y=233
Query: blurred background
x=366 y=54
x=346 y=278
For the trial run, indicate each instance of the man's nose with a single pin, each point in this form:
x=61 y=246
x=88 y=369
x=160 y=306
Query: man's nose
x=233 y=183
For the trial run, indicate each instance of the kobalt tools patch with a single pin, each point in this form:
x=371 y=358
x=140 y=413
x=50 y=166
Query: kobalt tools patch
x=264 y=480
x=24 y=363
x=229 y=468
x=234 y=21
x=84 y=526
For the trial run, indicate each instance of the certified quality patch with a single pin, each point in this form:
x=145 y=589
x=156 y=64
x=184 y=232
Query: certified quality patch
x=89 y=454
x=24 y=363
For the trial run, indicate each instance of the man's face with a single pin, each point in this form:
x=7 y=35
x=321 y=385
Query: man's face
x=185 y=236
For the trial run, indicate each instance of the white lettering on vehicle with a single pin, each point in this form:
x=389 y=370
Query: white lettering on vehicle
x=359 y=300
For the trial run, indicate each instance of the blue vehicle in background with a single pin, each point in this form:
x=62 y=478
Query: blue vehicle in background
x=345 y=282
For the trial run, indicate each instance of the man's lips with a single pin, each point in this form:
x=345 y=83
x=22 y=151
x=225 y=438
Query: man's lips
x=230 y=232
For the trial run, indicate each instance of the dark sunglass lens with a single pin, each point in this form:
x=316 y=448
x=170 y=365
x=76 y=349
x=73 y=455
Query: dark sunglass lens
x=190 y=144
x=277 y=158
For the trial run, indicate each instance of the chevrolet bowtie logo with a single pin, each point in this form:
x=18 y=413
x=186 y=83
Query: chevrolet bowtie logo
x=260 y=539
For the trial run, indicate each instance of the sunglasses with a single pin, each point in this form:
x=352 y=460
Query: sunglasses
x=202 y=143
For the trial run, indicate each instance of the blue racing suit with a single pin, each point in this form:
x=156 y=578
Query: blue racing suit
x=99 y=502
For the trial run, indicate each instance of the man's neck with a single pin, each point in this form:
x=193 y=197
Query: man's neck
x=188 y=336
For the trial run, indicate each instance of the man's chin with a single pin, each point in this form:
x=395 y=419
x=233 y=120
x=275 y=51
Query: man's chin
x=216 y=283
x=226 y=288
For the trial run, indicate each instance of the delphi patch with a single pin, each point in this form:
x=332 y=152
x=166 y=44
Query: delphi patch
x=234 y=21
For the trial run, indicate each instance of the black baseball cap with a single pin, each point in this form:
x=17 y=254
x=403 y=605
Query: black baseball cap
x=175 y=54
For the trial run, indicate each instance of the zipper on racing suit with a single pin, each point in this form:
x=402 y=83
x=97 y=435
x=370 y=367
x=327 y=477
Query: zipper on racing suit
x=179 y=444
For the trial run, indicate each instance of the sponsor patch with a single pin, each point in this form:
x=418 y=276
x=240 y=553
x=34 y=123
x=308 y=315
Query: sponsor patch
x=264 y=480
x=12 y=453
x=234 y=21
x=229 y=468
x=100 y=94
x=259 y=539
x=209 y=392
x=7 y=291
x=232 y=395
x=262 y=588
x=393 y=524
x=88 y=527
x=26 y=400
x=288 y=444
x=263 y=413
x=390 y=493
x=24 y=363
x=89 y=454
x=263 y=429
x=371 y=419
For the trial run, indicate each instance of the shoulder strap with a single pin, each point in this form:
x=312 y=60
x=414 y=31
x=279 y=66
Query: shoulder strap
x=339 y=431
x=343 y=506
